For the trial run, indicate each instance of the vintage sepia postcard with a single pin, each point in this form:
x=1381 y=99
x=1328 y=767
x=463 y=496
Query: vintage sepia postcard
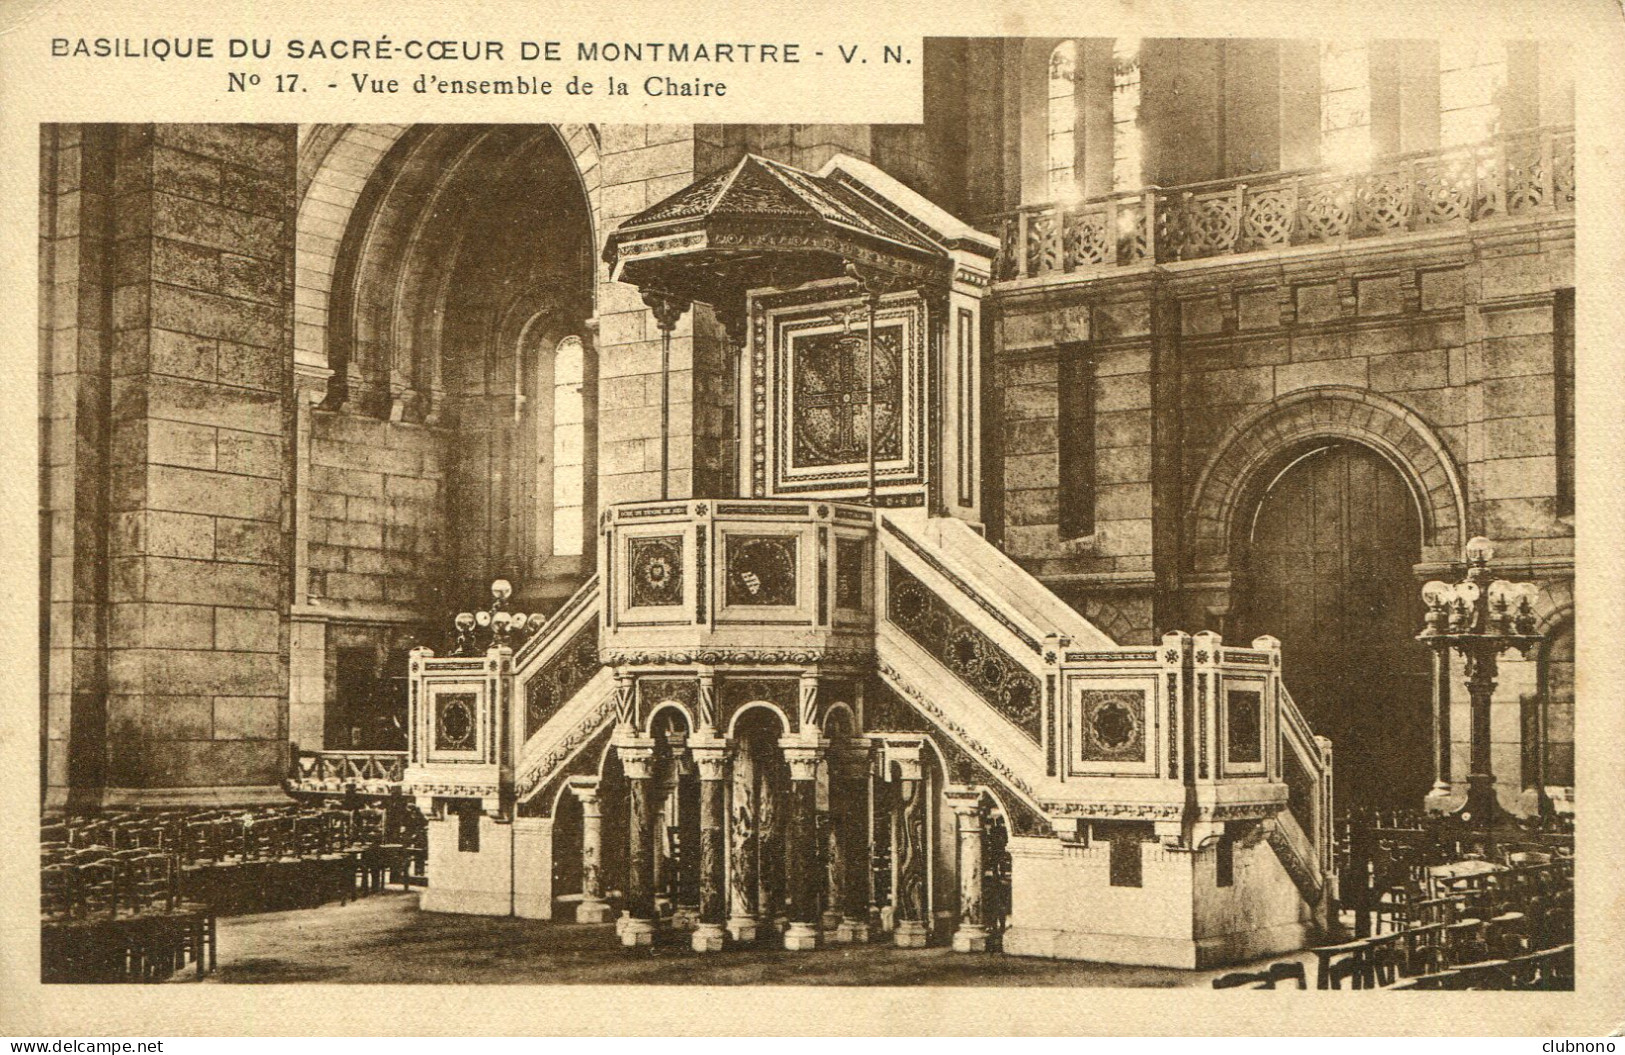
x=862 y=507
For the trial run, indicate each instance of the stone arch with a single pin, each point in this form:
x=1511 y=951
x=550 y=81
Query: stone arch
x=752 y=705
x=340 y=161
x=1255 y=446
x=670 y=705
x=1554 y=606
x=834 y=710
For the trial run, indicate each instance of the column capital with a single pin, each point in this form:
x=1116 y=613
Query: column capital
x=711 y=757
x=965 y=802
x=637 y=757
x=803 y=758
x=584 y=789
x=906 y=754
x=851 y=759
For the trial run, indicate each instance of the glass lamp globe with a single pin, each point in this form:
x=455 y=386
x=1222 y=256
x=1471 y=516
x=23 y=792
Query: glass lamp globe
x=501 y=589
x=465 y=621
x=483 y=619
x=1436 y=593
x=1479 y=550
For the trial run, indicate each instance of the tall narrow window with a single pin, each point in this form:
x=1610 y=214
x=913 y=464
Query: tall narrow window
x=1345 y=106
x=569 y=447
x=1126 y=173
x=1063 y=121
x=1563 y=388
x=1472 y=75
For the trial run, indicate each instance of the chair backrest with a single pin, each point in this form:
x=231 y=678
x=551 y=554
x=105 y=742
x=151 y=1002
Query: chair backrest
x=1289 y=970
x=1249 y=979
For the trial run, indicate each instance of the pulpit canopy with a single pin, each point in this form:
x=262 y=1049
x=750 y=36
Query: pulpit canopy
x=763 y=223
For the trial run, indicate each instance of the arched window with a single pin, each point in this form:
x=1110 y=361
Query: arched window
x=569 y=447
x=1126 y=173
x=1472 y=75
x=1062 y=127
x=1345 y=105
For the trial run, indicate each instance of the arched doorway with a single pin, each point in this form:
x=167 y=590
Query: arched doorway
x=1328 y=558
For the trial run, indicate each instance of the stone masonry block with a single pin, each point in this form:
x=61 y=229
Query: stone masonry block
x=247 y=541
x=170 y=534
x=218 y=494
x=246 y=629
x=246 y=717
x=248 y=453
x=177 y=443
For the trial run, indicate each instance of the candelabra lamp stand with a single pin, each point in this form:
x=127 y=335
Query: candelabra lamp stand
x=1480 y=617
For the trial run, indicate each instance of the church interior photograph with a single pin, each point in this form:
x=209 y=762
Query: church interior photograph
x=1116 y=532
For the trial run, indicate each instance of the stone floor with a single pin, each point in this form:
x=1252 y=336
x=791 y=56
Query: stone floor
x=386 y=939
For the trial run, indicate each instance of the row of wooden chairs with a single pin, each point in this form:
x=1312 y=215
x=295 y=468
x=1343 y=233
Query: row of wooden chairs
x=1544 y=969
x=141 y=947
x=118 y=915
x=248 y=860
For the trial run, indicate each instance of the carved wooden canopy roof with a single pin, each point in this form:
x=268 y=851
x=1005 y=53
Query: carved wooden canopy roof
x=763 y=223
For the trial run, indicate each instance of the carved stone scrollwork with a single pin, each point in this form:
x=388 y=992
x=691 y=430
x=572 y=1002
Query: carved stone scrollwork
x=667 y=308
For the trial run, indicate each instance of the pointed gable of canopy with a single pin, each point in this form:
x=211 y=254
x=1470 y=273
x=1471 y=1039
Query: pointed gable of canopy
x=763 y=223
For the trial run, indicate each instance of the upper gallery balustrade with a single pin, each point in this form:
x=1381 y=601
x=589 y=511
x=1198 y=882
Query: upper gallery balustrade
x=1518 y=174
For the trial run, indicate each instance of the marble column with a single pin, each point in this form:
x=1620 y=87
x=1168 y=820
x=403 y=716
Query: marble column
x=712 y=762
x=913 y=857
x=638 y=763
x=849 y=802
x=770 y=840
x=805 y=866
x=971 y=935
x=742 y=886
x=593 y=908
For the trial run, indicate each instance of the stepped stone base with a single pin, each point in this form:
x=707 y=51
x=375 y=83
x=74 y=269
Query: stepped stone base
x=1178 y=915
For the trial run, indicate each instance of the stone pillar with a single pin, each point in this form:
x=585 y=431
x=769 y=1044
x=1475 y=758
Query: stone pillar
x=166 y=334
x=849 y=801
x=593 y=908
x=972 y=934
x=742 y=887
x=913 y=857
x=1441 y=798
x=638 y=763
x=804 y=863
x=712 y=762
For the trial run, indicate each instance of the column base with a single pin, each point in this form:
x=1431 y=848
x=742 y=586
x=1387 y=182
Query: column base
x=830 y=921
x=638 y=932
x=708 y=937
x=1443 y=799
x=742 y=929
x=853 y=932
x=593 y=912
x=970 y=938
x=910 y=934
x=1532 y=802
x=801 y=936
